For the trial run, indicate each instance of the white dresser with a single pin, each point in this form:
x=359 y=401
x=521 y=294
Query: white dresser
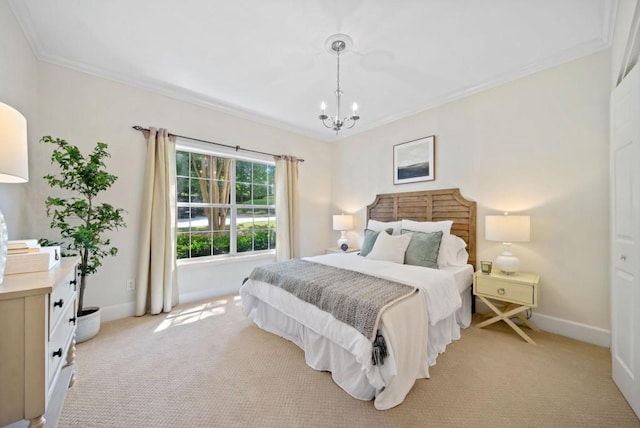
x=37 y=343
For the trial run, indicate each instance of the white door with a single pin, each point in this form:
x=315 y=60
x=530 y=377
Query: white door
x=625 y=237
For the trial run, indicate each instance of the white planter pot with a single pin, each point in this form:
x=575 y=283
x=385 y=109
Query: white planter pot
x=88 y=324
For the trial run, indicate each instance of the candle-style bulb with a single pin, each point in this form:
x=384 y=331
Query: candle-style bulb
x=323 y=106
x=355 y=108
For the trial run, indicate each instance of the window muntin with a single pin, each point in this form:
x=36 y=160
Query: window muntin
x=225 y=205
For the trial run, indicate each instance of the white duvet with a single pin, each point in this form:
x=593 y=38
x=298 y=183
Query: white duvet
x=339 y=348
x=439 y=286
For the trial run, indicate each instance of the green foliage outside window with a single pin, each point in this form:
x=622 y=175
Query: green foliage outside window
x=208 y=193
x=202 y=245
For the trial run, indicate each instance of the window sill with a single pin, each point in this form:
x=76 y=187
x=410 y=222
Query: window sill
x=218 y=260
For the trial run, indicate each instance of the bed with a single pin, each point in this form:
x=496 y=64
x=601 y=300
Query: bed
x=413 y=329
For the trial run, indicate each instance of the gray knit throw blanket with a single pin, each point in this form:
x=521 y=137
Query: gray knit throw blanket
x=352 y=297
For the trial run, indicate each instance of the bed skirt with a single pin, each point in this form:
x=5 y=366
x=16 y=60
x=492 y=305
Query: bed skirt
x=409 y=359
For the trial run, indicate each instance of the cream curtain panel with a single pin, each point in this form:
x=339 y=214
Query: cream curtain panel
x=286 y=182
x=157 y=289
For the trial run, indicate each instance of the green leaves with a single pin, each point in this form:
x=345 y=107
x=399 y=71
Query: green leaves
x=82 y=222
x=87 y=176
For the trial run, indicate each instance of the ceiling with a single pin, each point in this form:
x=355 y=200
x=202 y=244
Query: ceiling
x=267 y=60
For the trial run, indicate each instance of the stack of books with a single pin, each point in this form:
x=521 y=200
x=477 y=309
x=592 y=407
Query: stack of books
x=27 y=255
x=23 y=247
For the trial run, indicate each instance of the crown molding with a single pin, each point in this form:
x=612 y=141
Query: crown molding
x=20 y=10
x=564 y=57
x=191 y=97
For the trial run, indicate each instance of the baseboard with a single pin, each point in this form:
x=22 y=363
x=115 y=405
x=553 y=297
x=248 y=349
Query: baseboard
x=124 y=310
x=194 y=296
x=574 y=330
x=571 y=329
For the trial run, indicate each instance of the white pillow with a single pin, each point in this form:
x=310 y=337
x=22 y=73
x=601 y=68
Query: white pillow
x=379 y=226
x=428 y=226
x=452 y=252
x=390 y=248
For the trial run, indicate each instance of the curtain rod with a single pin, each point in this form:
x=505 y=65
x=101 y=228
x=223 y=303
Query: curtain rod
x=236 y=148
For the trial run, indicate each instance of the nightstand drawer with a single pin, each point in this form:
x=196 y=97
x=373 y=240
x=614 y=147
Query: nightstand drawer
x=505 y=290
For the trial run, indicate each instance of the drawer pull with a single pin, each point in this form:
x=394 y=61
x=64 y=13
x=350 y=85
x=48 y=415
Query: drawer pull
x=58 y=353
x=73 y=320
x=501 y=291
x=58 y=303
x=73 y=282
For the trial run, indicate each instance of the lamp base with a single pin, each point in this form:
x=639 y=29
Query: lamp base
x=507 y=263
x=343 y=243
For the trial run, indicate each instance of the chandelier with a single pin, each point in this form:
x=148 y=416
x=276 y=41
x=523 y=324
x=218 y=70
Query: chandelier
x=336 y=44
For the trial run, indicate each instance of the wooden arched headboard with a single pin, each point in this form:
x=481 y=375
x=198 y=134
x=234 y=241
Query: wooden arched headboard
x=430 y=205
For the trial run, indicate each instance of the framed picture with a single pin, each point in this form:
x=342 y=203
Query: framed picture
x=414 y=161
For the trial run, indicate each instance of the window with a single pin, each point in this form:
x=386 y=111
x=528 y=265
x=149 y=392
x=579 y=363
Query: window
x=226 y=205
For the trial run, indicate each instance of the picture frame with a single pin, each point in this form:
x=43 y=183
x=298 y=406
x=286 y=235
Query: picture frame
x=414 y=160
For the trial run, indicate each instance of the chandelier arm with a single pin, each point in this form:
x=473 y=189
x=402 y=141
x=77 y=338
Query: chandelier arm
x=324 y=122
x=353 y=123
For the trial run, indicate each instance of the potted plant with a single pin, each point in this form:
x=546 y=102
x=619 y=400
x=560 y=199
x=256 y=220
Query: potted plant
x=83 y=222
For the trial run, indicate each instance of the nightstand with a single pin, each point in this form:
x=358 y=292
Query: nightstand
x=338 y=250
x=515 y=293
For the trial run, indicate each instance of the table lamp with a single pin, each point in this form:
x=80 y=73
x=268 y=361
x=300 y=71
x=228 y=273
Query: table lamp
x=343 y=222
x=14 y=164
x=507 y=229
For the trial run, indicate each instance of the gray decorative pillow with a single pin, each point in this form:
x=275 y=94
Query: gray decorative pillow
x=423 y=249
x=369 y=239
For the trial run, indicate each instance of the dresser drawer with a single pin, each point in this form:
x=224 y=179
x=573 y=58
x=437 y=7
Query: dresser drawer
x=60 y=338
x=61 y=296
x=32 y=381
x=523 y=294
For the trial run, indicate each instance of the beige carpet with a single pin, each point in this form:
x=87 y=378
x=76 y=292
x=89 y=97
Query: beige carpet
x=205 y=365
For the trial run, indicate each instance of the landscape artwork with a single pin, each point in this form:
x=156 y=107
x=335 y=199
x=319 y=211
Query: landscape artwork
x=414 y=161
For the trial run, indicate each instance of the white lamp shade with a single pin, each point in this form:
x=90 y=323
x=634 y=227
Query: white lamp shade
x=14 y=163
x=507 y=228
x=342 y=222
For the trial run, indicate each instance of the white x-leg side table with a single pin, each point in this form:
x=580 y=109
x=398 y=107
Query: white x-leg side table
x=514 y=294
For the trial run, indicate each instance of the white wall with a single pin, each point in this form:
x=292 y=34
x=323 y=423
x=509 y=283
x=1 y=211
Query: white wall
x=537 y=146
x=84 y=109
x=18 y=83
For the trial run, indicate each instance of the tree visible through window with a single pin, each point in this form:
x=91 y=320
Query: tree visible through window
x=225 y=205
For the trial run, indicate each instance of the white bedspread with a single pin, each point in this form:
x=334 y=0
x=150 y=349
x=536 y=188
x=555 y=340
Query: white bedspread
x=339 y=348
x=439 y=286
